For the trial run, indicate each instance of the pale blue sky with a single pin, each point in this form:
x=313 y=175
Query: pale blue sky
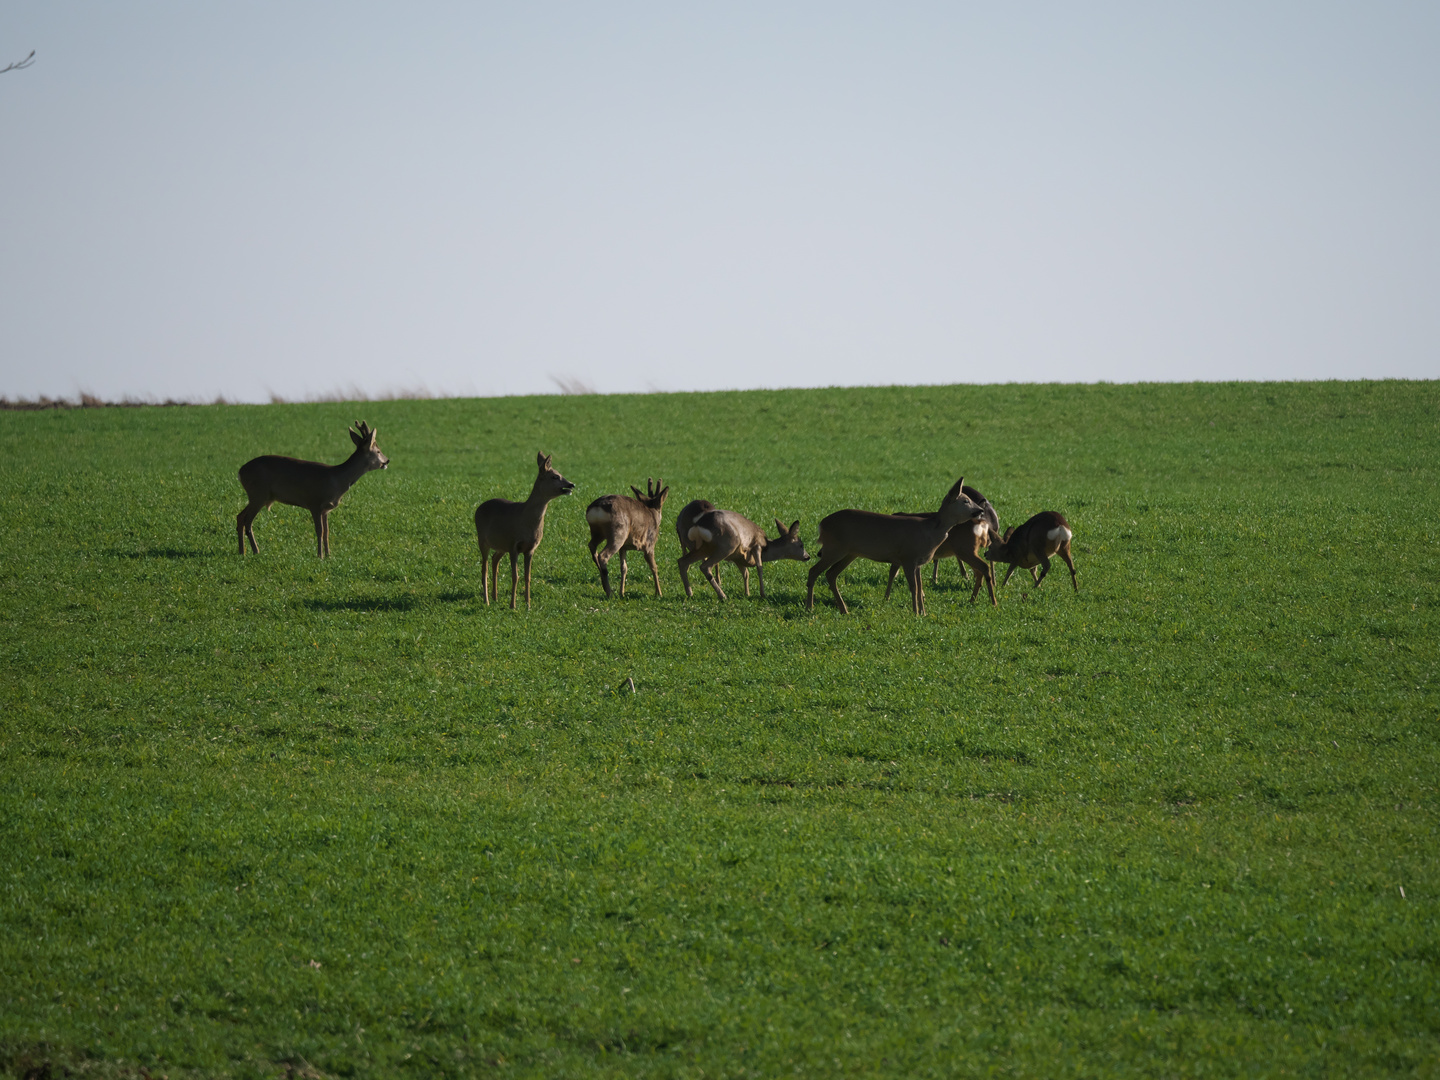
x=297 y=197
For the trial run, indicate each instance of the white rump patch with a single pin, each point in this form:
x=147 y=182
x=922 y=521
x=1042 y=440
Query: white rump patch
x=597 y=515
x=1059 y=532
x=979 y=528
x=700 y=536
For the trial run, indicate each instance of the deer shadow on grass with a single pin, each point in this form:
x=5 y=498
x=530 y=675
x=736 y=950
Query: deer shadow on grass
x=364 y=604
x=159 y=553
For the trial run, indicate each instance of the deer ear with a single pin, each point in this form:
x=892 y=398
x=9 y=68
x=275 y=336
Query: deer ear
x=540 y=459
x=374 y=434
x=1006 y=538
x=357 y=439
x=637 y=492
x=662 y=493
x=780 y=525
x=795 y=527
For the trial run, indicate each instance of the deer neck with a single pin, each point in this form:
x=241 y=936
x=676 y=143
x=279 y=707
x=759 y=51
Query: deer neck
x=535 y=505
x=349 y=470
x=949 y=518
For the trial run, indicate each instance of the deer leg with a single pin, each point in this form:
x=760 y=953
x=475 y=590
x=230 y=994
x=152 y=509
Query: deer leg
x=1065 y=554
x=624 y=573
x=822 y=564
x=528 y=556
x=833 y=577
x=915 y=575
x=890 y=582
x=514 y=581
x=708 y=569
x=649 y=554
x=983 y=576
x=319 y=532
x=683 y=564
x=745 y=577
x=325 y=528
x=244 y=525
x=1044 y=569
x=1008 y=572
x=935 y=574
x=760 y=577
x=1031 y=571
x=595 y=539
x=602 y=562
x=495 y=573
x=484 y=577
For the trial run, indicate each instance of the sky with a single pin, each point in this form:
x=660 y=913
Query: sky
x=305 y=198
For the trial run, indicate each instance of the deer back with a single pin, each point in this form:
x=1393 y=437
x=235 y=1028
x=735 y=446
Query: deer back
x=728 y=534
x=311 y=484
x=1039 y=538
x=687 y=517
x=503 y=525
x=637 y=519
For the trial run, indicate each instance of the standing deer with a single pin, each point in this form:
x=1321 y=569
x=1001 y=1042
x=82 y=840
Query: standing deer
x=966 y=544
x=1045 y=534
x=625 y=524
x=516 y=527
x=847 y=535
x=723 y=534
x=310 y=484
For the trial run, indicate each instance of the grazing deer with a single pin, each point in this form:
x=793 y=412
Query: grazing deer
x=723 y=534
x=625 y=524
x=966 y=544
x=686 y=519
x=311 y=484
x=516 y=527
x=1032 y=544
x=847 y=535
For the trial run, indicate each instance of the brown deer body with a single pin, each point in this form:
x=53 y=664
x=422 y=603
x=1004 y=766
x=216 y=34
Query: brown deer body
x=966 y=543
x=502 y=527
x=310 y=484
x=624 y=524
x=1032 y=544
x=911 y=541
x=690 y=513
x=721 y=535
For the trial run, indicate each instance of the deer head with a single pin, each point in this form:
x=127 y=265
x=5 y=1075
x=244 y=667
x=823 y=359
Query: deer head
x=550 y=481
x=787 y=545
x=364 y=439
x=654 y=496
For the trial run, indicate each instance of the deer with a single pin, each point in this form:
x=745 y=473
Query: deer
x=966 y=545
x=686 y=519
x=310 y=484
x=516 y=527
x=1032 y=544
x=721 y=535
x=911 y=541
x=624 y=524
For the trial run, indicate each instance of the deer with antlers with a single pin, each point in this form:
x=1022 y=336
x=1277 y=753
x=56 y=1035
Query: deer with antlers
x=503 y=526
x=723 y=535
x=624 y=524
x=909 y=540
x=310 y=484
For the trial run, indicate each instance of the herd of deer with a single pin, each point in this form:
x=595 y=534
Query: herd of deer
x=965 y=526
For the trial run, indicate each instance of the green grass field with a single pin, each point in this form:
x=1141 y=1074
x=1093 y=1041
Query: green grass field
x=271 y=816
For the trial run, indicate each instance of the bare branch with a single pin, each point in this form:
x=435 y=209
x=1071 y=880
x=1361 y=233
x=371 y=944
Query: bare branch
x=19 y=65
